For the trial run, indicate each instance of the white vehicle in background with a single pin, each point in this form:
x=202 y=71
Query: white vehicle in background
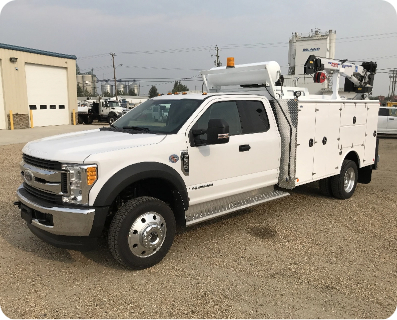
x=387 y=120
x=107 y=110
x=189 y=158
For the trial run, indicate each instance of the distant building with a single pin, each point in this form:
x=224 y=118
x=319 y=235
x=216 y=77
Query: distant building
x=87 y=83
x=38 y=87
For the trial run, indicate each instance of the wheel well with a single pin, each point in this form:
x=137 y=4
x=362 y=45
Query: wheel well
x=352 y=155
x=153 y=187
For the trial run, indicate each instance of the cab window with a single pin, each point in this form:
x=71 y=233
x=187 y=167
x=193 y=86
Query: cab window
x=253 y=116
x=226 y=110
x=383 y=112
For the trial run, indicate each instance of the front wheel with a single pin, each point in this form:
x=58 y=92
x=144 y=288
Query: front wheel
x=112 y=118
x=142 y=232
x=344 y=184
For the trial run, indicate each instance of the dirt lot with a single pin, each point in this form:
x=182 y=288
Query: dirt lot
x=304 y=256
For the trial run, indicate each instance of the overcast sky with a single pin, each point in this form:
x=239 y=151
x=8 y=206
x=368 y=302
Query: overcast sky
x=181 y=35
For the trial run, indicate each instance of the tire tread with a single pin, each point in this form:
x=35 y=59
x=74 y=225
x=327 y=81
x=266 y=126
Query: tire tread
x=337 y=184
x=117 y=222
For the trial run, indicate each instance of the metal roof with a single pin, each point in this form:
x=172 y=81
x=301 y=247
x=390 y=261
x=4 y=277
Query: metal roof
x=46 y=53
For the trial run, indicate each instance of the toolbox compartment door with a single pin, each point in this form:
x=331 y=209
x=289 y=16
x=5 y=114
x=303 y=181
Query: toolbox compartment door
x=371 y=133
x=305 y=143
x=326 y=152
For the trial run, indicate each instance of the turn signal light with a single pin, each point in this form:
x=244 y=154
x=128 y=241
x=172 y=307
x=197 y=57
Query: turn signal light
x=169 y=93
x=204 y=93
x=91 y=175
x=184 y=92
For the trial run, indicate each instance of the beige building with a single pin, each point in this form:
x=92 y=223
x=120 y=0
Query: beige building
x=37 y=87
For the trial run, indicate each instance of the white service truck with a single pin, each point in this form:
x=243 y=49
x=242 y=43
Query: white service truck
x=108 y=110
x=214 y=153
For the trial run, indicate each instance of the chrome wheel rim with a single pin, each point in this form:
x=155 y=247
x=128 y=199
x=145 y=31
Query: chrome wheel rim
x=147 y=234
x=349 y=180
x=111 y=120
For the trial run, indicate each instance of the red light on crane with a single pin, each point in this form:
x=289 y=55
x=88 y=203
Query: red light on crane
x=320 y=77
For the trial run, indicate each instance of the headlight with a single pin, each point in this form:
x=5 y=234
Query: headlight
x=80 y=180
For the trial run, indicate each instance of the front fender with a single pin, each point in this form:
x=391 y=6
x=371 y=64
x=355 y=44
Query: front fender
x=139 y=171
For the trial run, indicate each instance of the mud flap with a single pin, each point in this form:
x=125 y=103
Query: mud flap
x=365 y=175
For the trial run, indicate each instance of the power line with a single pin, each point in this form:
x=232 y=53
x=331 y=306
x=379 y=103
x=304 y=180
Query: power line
x=247 y=45
x=154 y=68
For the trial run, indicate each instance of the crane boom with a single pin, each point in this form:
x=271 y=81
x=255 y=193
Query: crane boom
x=359 y=79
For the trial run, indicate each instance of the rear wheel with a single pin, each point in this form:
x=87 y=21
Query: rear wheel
x=344 y=184
x=80 y=119
x=89 y=120
x=142 y=232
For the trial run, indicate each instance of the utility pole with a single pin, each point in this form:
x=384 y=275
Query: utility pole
x=393 y=81
x=217 y=62
x=114 y=71
x=94 y=91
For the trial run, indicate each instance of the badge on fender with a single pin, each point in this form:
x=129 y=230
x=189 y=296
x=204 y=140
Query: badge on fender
x=173 y=158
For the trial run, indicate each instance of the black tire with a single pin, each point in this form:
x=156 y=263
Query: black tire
x=134 y=248
x=342 y=189
x=112 y=118
x=325 y=187
x=89 y=120
x=80 y=119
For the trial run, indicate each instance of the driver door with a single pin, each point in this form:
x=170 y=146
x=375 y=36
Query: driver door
x=104 y=109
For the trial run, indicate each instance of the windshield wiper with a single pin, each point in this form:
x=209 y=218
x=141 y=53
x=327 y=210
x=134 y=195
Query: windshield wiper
x=137 y=128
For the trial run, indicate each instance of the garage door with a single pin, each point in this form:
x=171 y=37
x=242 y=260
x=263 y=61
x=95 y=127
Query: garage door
x=2 y=110
x=47 y=95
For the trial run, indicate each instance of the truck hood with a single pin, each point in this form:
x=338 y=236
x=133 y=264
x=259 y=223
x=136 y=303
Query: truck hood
x=77 y=146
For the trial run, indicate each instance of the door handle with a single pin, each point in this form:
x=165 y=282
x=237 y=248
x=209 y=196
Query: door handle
x=311 y=142
x=244 y=147
x=391 y=118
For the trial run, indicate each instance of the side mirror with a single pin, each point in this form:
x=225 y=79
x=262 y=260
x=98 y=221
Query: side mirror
x=217 y=132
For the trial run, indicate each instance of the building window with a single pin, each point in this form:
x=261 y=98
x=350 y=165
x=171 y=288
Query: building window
x=53 y=106
x=61 y=106
x=32 y=107
x=43 y=106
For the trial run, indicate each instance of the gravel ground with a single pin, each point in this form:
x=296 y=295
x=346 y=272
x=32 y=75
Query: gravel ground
x=304 y=256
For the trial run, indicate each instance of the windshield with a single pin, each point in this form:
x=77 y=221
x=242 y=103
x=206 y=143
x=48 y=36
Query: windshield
x=113 y=104
x=159 y=116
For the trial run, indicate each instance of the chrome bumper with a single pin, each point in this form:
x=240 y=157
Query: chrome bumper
x=67 y=221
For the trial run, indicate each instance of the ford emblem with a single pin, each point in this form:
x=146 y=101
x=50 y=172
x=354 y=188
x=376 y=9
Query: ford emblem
x=173 y=158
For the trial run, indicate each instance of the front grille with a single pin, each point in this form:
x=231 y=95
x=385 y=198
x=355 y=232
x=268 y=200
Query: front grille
x=41 y=163
x=53 y=198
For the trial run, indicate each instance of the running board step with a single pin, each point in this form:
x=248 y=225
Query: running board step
x=215 y=208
